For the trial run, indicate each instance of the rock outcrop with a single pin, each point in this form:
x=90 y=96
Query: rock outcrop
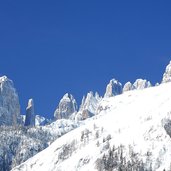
x=140 y=84
x=9 y=102
x=89 y=105
x=30 y=115
x=113 y=88
x=167 y=74
x=128 y=87
x=67 y=106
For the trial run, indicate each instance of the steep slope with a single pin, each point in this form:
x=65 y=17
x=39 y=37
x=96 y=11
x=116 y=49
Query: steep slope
x=131 y=131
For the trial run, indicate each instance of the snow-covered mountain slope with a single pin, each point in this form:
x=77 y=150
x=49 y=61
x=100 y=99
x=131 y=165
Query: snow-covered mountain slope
x=19 y=143
x=131 y=132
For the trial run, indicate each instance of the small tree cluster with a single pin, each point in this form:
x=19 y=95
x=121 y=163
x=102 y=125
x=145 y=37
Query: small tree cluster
x=85 y=136
x=114 y=160
x=67 y=150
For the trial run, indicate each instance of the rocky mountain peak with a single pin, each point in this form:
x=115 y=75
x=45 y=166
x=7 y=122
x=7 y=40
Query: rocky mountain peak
x=67 y=106
x=128 y=87
x=9 y=102
x=113 y=88
x=89 y=105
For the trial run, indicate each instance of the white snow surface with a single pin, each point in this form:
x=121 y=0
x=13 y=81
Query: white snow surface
x=135 y=118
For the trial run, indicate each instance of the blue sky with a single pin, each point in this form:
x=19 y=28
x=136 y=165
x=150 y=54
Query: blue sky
x=49 y=48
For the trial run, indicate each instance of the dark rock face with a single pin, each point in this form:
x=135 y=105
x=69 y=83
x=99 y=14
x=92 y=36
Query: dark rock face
x=30 y=116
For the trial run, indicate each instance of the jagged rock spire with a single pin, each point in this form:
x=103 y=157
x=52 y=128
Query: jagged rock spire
x=9 y=102
x=113 y=88
x=30 y=115
x=167 y=74
x=89 y=105
x=67 y=106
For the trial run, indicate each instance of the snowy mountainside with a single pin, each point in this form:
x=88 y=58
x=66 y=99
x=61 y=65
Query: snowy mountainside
x=132 y=131
x=20 y=143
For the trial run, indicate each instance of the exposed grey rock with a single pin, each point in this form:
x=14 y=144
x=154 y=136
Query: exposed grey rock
x=140 y=84
x=67 y=106
x=128 y=86
x=113 y=88
x=9 y=102
x=30 y=116
x=167 y=74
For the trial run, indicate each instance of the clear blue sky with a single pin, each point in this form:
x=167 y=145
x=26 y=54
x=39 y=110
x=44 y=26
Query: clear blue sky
x=49 y=48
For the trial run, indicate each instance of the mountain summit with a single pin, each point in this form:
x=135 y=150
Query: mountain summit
x=113 y=88
x=67 y=106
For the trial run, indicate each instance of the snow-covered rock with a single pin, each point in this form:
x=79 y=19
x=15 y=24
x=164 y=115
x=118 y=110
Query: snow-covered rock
x=113 y=88
x=67 y=106
x=90 y=102
x=88 y=107
x=132 y=132
x=30 y=115
x=140 y=84
x=128 y=87
x=157 y=84
x=167 y=74
x=9 y=102
x=41 y=121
